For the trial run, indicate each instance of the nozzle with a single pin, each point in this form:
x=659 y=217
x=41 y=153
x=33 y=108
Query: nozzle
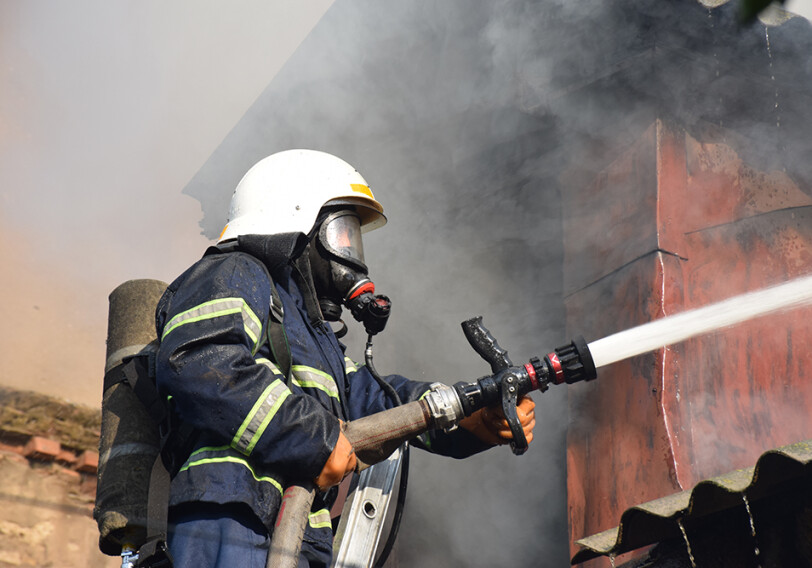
x=571 y=363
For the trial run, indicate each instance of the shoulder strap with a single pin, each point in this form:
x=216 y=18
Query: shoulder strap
x=277 y=338
x=154 y=552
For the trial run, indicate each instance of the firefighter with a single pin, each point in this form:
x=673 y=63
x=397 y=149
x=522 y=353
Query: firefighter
x=256 y=375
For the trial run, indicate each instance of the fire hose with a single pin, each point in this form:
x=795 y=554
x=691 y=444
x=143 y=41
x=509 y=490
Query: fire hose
x=375 y=437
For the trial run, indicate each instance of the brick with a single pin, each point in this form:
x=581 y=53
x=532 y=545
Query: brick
x=11 y=448
x=39 y=448
x=88 y=462
x=66 y=457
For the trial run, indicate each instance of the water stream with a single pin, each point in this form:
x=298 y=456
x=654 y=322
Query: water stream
x=752 y=530
x=687 y=544
x=673 y=329
x=719 y=110
x=772 y=77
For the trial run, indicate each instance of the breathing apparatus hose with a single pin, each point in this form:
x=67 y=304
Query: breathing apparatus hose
x=404 y=472
x=386 y=387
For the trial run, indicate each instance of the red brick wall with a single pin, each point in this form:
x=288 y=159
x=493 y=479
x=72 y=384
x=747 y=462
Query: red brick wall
x=680 y=220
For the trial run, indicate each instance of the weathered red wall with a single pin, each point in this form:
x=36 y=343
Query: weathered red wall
x=679 y=221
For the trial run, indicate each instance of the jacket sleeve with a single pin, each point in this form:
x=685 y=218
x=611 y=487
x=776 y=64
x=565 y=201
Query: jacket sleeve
x=367 y=397
x=211 y=325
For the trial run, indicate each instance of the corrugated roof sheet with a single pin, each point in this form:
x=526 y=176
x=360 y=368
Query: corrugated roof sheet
x=772 y=15
x=657 y=520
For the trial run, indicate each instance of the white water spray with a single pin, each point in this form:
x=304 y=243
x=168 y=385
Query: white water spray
x=679 y=327
x=687 y=544
x=772 y=77
x=752 y=530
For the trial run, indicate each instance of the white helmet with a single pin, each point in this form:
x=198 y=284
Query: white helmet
x=284 y=193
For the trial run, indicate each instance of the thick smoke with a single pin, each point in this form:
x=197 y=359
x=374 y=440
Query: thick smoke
x=471 y=121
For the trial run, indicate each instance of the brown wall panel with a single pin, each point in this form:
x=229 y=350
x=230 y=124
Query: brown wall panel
x=692 y=224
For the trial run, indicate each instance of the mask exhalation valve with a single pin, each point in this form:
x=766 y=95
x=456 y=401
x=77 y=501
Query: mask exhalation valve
x=371 y=310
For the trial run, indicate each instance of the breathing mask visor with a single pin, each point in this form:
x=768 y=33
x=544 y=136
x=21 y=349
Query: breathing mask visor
x=340 y=235
x=341 y=274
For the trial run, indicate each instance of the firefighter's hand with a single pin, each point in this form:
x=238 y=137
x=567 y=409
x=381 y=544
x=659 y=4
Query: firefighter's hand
x=341 y=463
x=490 y=425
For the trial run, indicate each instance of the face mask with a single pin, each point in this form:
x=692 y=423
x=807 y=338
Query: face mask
x=340 y=275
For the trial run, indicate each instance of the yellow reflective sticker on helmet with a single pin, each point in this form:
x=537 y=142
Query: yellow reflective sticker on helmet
x=361 y=188
x=223 y=232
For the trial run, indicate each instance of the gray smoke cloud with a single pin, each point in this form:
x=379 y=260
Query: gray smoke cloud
x=471 y=121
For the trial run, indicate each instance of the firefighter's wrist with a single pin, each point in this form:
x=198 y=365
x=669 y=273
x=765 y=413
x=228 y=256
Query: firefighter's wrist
x=342 y=462
x=476 y=426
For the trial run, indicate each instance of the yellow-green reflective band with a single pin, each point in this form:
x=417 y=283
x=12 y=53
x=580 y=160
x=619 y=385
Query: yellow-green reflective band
x=308 y=377
x=268 y=363
x=320 y=519
x=217 y=308
x=227 y=459
x=260 y=416
x=349 y=365
x=426 y=440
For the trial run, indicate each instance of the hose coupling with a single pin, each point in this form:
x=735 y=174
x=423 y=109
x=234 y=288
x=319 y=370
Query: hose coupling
x=445 y=407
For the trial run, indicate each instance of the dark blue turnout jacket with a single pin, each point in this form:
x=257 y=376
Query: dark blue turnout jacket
x=257 y=429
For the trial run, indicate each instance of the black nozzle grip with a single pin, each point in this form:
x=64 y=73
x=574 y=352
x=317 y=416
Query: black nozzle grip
x=485 y=344
x=509 y=403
